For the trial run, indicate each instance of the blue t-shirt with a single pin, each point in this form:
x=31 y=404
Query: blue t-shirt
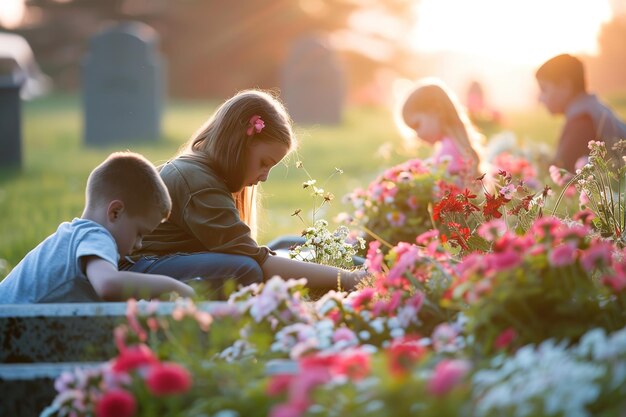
x=54 y=272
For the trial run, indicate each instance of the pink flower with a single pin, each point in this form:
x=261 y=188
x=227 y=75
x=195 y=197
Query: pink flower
x=427 y=237
x=396 y=218
x=134 y=357
x=131 y=317
x=447 y=374
x=119 y=336
x=279 y=384
x=598 y=255
x=504 y=260
x=583 y=199
x=507 y=191
x=412 y=202
x=570 y=191
x=585 y=216
x=617 y=281
x=559 y=175
x=394 y=301
x=310 y=377
x=492 y=230
x=204 y=319
x=334 y=315
x=573 y=234
x=545 y=226
x=505 y=338
x=562 y=255
x=286 y=410
x=168 y=379
x=416 y=300
x=116 y=403
x=444 y=336
x=374 y=258
x=153 y=324
x=360 y=299
x=343 y=334
x=256 y=125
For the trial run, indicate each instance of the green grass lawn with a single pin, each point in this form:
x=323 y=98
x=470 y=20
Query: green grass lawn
x=50 y=187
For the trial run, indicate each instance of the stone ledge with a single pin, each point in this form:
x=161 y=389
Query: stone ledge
x=72 y=332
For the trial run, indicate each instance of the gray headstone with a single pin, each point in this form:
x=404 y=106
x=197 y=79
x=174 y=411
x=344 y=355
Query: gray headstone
x=313 y=85
x=123 y=85
x=11 y=81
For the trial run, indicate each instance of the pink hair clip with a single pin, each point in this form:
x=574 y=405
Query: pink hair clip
x=256 y=125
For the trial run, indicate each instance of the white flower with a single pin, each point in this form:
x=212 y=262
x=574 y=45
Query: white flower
x=262 y=305
x=397 y=333
x=538 y=381
x=378 y=325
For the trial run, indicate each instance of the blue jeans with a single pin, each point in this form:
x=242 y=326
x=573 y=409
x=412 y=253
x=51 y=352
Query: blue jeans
x=209 y=269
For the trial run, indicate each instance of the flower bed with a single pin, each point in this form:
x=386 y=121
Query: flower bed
x=529 y=322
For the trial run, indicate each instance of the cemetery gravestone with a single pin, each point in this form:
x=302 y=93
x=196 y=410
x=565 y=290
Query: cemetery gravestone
x=11 y=80
x=123 y=85
x=313 y=82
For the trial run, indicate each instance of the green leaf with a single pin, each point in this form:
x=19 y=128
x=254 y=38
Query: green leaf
x=476 y=242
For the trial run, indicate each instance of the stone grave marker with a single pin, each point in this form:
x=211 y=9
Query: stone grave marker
x=11 y=81
x=313 y=85
x=123 y=85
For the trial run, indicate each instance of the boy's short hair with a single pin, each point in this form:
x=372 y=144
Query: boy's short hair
x=561 y=68
x=131 y=178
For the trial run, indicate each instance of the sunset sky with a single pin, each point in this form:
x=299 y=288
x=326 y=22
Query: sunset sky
x=501 y=42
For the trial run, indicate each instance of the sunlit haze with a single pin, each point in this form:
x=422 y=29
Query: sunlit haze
x=11 y=12
x=503 y=41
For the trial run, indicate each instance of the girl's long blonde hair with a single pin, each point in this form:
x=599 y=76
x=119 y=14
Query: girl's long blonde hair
x=431 y=96
x=224 y=141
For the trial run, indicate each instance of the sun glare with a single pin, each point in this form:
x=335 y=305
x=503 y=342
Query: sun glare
x=522 y=31
x=517 y=35
x=11 y=13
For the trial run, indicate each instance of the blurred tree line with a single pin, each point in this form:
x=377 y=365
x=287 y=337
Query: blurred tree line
x=215 y=47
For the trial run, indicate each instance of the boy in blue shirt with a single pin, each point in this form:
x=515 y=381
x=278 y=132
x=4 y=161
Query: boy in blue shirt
x=125 y=200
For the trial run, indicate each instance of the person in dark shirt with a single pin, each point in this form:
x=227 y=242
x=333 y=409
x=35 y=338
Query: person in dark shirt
x=563 y=88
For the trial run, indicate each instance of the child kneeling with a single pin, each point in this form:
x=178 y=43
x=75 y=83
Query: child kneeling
x=126 y=200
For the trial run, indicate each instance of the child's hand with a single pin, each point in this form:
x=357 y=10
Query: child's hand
x=353 y=278
x=185 y=290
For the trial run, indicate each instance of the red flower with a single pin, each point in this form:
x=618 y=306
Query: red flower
x=403 y=355
x=523 y=204
x=492 y=206
x=355 y=365
x=458 y=234
x=449 y=202
x=116 y=403
x=134 y=357
x=279 y=384
x=505 y=338
x=168 y=379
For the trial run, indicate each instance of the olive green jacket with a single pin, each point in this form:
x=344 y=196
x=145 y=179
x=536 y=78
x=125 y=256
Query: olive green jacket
x=204 y=216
